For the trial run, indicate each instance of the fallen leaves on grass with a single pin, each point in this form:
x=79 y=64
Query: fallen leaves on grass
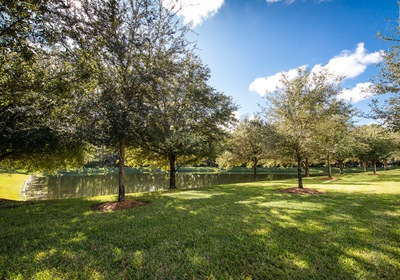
x=300 y=191
x=122 y=205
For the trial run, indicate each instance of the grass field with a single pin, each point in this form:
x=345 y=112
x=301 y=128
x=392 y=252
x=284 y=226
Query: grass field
x=11 y=185
x=241 y=231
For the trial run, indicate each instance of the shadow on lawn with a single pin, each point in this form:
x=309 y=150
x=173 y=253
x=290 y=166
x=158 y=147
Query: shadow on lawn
x=224 y=232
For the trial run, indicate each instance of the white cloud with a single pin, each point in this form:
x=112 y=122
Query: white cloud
x=352 y=64
x=195 y=11
x=348 y=64
x=271 y=83
x=357 y=93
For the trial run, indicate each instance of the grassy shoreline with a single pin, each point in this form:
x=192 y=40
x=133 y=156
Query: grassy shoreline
x=239 y=231
x=11 y=185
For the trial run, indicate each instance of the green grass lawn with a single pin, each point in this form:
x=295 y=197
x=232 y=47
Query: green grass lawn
x=11 y=185
x=241 y=231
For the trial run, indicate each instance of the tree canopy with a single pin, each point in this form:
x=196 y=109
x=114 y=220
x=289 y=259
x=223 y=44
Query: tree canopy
x=187 y=119
x=299 y=106
x=387 y=82
x=251 y=142
x=35 y=91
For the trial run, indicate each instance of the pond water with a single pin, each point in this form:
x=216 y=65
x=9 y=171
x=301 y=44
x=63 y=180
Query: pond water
x=60 y=187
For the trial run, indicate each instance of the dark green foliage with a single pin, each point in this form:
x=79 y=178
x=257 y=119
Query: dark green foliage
x=36 y=102
x=187 y=119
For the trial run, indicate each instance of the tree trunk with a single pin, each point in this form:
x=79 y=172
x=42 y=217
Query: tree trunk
x=255 y=170
x=299 y=178
x=374 y=166
x=121 y=175
x=365 y=163
x=341 y=166
x=172 y=171
x=306 y=166
x=329 y=167
x=385 y=165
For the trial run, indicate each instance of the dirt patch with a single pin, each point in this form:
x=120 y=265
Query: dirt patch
x=122 y=205
x=328 y=179
x=300 y=191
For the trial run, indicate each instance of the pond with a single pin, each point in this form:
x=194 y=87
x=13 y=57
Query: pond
x=60 y=187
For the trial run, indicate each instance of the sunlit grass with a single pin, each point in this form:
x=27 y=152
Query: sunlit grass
x=241 y=231
x=11 y=185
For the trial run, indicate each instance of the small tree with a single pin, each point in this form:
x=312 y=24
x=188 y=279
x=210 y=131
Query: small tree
x=330 y=133
x=344 y=149
x=378 y=144
x=249 y=143
x=298 y=106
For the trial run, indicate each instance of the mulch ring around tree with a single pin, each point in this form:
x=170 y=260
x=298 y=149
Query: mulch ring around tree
x=122 y=205
x=300 y=191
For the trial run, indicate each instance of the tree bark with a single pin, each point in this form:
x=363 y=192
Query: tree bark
x=385 y=165
x=121 y=166
x=172 y=171
x=329 y=167
x=365 y=163
x=306 y=166
x=255 y=170
x=299 y=178
x=374 y=166
x=341 y=166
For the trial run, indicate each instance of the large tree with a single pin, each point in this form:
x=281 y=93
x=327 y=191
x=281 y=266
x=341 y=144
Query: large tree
x=297 y=108
x=187 y=119
x=35 y=90
x=126 y=47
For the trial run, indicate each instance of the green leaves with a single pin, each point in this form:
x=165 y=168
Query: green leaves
x=387 y=83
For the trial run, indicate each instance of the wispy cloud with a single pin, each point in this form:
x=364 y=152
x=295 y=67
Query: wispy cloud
x=347 y=64
x=357 y=93
x=195 y=11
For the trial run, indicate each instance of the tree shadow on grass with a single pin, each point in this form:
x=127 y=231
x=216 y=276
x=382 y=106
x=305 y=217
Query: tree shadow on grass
x=221 y=232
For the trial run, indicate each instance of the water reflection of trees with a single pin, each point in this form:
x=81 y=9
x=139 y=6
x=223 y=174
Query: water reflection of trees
x=57 y=187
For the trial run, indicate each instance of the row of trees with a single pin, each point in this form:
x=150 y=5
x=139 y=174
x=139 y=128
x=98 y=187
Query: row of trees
x=119 y=74
x=305 y=122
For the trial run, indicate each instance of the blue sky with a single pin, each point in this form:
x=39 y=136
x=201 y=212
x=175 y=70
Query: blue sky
x=247 y=43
